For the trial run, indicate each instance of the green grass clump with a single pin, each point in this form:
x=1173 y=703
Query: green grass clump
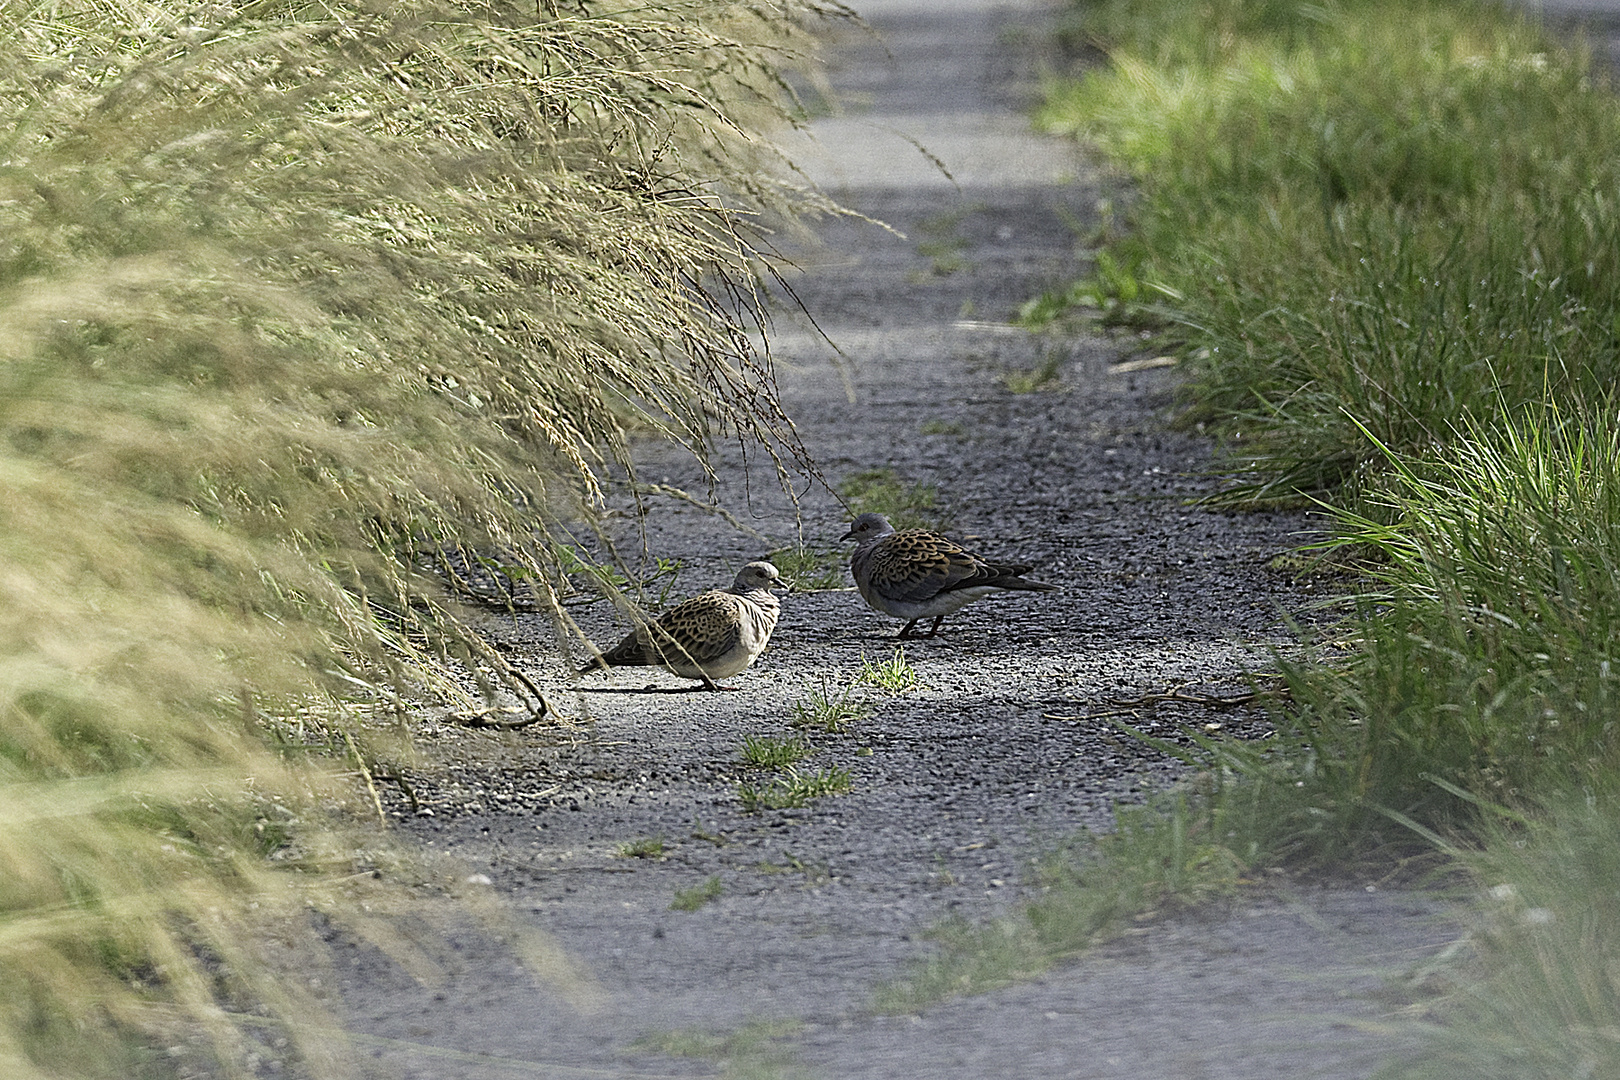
x=896 y=675
x=1366 y=226
x=823 y=710
x=1542 y=986
x=646 y=847
x=1044 y=376
x=815 y=873
x=970 y=959
x=881 y=491
x=945 y=245
x=1501 y=573
x=1174 y=35
x=1114 y=294
x=1172 y=853
x=1385 y=236
x=1389 y=232
x=1480 y=675
x=772 y=753
x=761 y=1050
x=795 y=789
x=937 y=426
x=293 y=300
x=695 y=897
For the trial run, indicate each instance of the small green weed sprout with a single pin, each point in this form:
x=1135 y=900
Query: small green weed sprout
x=756 y=1051
x=829 y=781
x=771 y=753
x=810 y=571
x=945 y=244
x=754 y=796
x=1114 y=296
x=683 y=1043
x=896 y=675
x=937 y=426
x=824 y=711
x=698 y=895
x=794 y=790
x=815 y=873
x=1041 y=311
x=881 y=491
x=648 y=847
x=946 y=254
x=1043 y=376
x=970 y=959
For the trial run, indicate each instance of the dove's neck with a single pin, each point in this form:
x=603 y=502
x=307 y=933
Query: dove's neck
x=871 y=542
x=756 y=594
x=763 y=609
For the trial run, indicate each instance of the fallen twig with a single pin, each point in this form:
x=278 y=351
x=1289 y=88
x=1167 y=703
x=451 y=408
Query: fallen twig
x=1178 y=695
x=1091 y=716
x=483 y=718
x=1211 y=700
x=546 y=707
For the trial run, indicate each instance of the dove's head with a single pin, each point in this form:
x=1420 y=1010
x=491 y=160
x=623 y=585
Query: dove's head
x=760 y=575
x=868 y=527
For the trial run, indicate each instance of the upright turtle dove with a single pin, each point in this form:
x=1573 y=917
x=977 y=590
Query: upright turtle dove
x=915 y=574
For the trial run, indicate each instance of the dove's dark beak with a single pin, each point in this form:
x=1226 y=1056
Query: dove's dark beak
x=847 y=535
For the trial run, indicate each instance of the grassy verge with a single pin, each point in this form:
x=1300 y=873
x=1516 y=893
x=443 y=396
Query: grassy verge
x=1387 y=262
x=293 y=298
x=1543 y=994
x=1356 y=215
x=1382 y=235
x=1171 y=853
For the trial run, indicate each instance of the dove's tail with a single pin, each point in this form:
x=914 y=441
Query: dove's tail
x=1026 y=585
x=1009 y=576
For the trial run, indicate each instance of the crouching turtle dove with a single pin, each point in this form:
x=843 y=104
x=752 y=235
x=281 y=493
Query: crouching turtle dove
x=915 y=574
x=712 y=636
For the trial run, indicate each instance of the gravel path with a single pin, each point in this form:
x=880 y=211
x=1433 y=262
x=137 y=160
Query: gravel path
x=957 y=784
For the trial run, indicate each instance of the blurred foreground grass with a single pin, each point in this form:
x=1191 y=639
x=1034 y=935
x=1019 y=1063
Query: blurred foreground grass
x=291 y=295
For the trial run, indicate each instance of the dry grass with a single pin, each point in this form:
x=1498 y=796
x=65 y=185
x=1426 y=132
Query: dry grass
x=289 y=294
